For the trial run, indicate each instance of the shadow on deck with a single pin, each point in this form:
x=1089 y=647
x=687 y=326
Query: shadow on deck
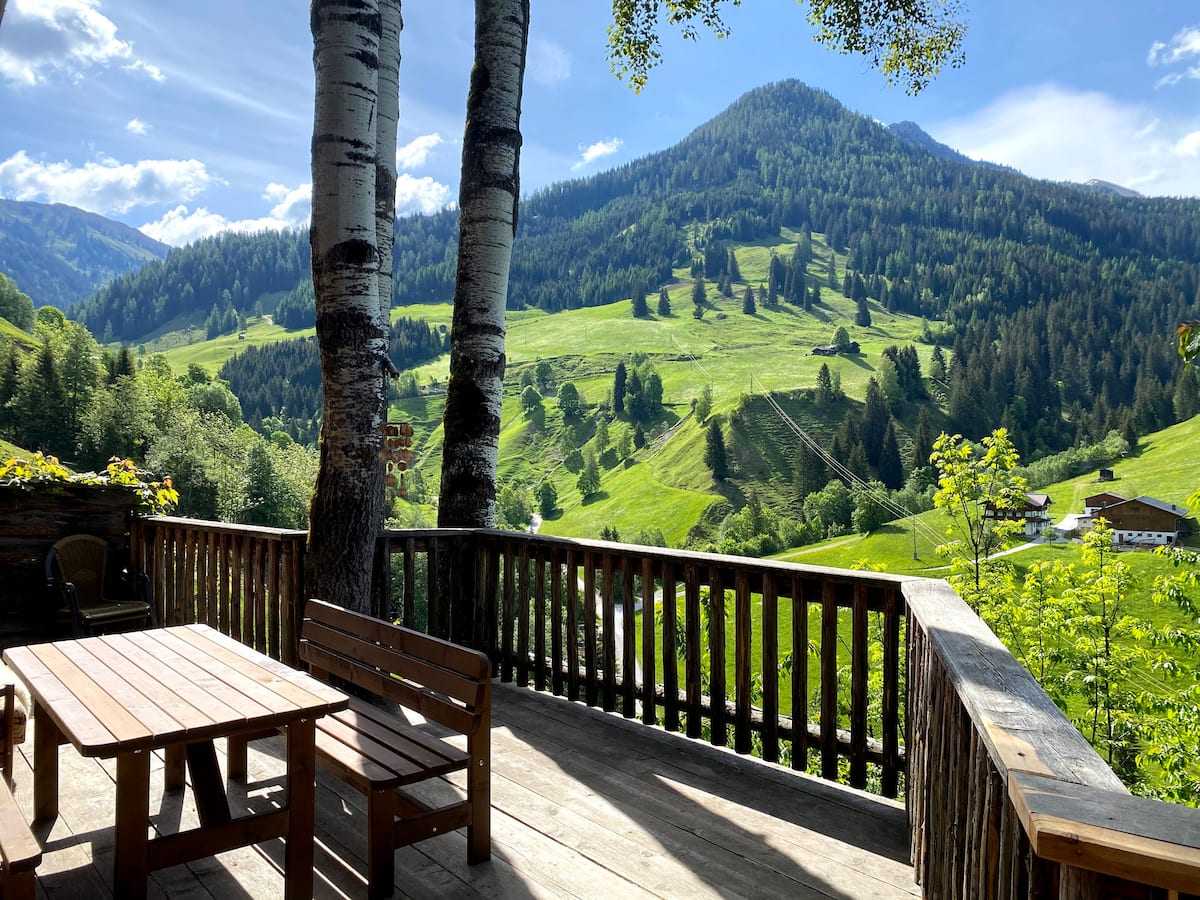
x=585 y=804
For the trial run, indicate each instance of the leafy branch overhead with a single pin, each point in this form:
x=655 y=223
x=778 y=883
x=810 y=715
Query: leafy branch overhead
x=1189 y=341
x=908 y=41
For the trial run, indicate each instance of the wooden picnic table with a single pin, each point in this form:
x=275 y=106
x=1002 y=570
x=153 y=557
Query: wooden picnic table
x=175 y=689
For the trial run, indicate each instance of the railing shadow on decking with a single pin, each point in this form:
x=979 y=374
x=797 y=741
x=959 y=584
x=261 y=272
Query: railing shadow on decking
x=1004 y=796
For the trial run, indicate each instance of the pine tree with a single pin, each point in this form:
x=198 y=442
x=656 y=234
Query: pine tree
x=619 y=388
x=601 y=436
x=639 y=437
x=735 y=273
x=811 y=473
x=640 y=309
x=664 y=303
x=862 y=317
x=714 y=450
x=588 y=482
x=699 y=297
x=889 y=466
x=748 y=305
x=922 y=445
x=875 y=419
x=823 y=396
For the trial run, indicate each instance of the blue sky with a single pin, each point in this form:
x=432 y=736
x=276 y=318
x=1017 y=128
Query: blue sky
x=184 y=119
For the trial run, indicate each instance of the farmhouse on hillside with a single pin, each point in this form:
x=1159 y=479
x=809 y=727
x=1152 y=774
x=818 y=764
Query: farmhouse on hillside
x=1034 y=514
x=1141 y=520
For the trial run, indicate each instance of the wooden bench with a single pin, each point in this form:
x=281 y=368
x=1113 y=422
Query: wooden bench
x=378 y=752
x=20 y=852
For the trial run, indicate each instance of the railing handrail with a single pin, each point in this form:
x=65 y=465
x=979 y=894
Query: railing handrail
x=225 y=527
x=693 y=557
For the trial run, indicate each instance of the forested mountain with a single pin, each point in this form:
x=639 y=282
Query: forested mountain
x=59 y=255
x=284 y=379
x=1058 y=301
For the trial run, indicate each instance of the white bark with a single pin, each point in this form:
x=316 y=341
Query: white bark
x=387 y=117
x=489 y=192
x=347 y=504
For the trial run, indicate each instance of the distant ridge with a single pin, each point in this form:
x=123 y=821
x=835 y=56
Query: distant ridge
x=1107 y=187
x=914 y=134
x=59 y=255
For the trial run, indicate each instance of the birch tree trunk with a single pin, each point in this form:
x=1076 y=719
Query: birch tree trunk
x=347 y=505
x=386 y=119
x=488 y=196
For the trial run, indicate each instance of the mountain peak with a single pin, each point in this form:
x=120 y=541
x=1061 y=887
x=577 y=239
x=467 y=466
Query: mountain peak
x=59 y=255
x=1107 y=187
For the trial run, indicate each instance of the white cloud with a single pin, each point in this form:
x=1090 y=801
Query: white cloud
x=422 y=195
x=592 y=152
x=69 y=36
x=181 y=226
x=549 y=64
x=1185 y=43
x=416 y=151
x=104 y=186
x=1184 y=46
x=1062 y=134
x=136 y=126
x=292 y=205
x=1189 y=144
x=291 y=208
x=153 y=72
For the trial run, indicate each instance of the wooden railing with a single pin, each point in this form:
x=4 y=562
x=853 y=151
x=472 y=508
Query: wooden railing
x=242 y=580
x=635 y=630
x=1005 y=798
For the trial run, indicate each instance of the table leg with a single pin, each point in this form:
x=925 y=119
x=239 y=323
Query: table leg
x=212 y=803
x=301 y=800
x=131 y=866
x=46 y=738
x=173 y=770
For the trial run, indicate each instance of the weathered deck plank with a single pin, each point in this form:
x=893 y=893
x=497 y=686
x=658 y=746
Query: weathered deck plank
x=585 y=804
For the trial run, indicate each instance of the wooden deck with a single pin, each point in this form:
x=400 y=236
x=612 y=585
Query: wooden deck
x=584 y=805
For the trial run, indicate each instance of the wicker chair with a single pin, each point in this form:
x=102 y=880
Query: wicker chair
x=76 y=571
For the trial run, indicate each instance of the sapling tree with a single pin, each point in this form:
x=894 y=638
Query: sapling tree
x=977 y=486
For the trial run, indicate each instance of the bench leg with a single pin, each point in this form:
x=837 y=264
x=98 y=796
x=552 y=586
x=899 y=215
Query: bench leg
x=17 y=885
x=479 y=795
x=381 y=843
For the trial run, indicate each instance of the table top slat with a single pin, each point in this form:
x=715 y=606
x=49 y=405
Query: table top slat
x=172 y=693
x=298 y=687
x=127 y=733
x=231 y=685
x=78 y=723
x=174 y=675
x=120 y=689
x=204 y=690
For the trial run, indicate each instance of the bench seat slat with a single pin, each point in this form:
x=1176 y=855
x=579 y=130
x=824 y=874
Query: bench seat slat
x=18 y=847
x=422 y=749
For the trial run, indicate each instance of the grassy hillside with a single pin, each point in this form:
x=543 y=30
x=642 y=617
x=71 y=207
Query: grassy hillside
x=665 y=485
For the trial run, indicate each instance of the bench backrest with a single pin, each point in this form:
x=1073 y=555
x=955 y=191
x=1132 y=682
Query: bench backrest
x=442 y=681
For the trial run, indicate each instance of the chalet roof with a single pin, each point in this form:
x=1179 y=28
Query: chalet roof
x=1039 y=501
x=1162 y=505
x=1109 y=494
